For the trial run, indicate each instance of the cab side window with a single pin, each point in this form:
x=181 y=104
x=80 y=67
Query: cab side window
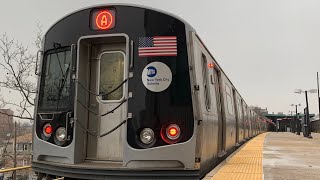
x=206 y=82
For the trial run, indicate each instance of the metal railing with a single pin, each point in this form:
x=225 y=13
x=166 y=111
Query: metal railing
x=21 y=168
x=14 y=169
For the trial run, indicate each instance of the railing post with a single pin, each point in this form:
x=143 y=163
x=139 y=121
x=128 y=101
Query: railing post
x=15 y=151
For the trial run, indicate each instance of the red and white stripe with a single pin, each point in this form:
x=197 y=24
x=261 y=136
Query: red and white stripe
x=163 y=46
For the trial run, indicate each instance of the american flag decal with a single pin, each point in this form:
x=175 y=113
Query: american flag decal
x=157 y=46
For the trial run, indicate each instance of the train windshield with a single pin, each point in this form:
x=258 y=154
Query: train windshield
x=55 y=86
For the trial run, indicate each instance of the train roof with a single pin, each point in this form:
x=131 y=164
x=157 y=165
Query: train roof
x=124 y=4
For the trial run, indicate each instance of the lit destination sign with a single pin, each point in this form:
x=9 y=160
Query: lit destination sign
x=103 y=19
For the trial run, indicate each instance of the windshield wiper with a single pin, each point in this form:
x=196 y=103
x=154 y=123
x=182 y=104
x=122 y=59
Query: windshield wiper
x=61 y=87
x=56 y=46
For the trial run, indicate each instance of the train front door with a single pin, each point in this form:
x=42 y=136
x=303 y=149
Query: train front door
x=108 y=72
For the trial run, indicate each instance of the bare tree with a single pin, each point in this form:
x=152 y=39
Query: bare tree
x=19 y=63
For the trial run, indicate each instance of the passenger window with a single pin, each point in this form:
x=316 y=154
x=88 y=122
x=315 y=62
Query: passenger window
x=214 y=90
x=205 y=82
x=111 y=75
x=229 y=100
x=240 y=109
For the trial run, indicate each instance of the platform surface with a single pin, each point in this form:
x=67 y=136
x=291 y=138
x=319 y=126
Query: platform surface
x=272 y=156
x=289 y=156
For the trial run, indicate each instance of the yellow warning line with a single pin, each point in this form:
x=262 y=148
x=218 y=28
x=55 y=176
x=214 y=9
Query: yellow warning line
x=245 y=164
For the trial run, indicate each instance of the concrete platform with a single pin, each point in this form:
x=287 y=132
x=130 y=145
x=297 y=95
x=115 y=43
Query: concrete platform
x=272 y=156
x=289 y=156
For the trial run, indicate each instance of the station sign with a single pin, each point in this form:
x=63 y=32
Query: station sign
x=103 y=19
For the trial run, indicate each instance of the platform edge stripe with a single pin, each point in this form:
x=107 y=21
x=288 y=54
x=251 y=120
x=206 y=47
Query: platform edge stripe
x=244 y=171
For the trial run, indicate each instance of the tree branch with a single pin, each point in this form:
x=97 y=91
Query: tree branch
x=21 y=117
x=19 y=64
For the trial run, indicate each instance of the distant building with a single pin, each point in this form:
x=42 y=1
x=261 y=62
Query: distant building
x=6 y=123
x=24 y=149
x=285 y=122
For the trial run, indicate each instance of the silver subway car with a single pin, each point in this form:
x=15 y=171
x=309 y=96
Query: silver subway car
x=128 y=92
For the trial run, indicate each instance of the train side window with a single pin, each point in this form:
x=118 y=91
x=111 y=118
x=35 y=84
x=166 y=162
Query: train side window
x=229 y=100
x=206 y=82
x=111 y=75
x=214 y=87
x=240 y=108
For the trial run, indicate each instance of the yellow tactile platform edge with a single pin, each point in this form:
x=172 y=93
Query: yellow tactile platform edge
x=245 y=164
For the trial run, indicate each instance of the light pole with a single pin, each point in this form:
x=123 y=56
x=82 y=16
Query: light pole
x=318 y=92
x=307 y=125
x=296 y=120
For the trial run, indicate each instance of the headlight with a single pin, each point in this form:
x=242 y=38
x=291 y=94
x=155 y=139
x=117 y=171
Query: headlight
x=147 y=135
x=61 y=134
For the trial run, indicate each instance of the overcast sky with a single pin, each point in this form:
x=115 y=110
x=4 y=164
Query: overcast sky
x=267 y=48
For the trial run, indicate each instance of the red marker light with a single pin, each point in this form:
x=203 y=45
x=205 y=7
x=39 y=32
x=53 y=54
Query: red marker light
x=104 y=20
x=173 y=131
x=170 y=133
x=210 y=65
x=47 y=130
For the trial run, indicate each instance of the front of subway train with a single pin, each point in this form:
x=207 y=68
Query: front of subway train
x=114 y=97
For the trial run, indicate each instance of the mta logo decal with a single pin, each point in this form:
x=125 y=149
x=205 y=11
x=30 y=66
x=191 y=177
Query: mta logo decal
x=152 y=71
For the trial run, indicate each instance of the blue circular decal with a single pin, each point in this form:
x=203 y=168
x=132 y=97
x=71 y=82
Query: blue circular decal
x=152 y=71
x=156 y=76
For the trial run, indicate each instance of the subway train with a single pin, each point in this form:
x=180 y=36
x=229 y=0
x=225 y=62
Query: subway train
x=130 y=92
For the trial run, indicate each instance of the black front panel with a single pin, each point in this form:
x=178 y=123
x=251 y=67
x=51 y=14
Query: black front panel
x=149 y=109
x=56 y=120
x=173 y=105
